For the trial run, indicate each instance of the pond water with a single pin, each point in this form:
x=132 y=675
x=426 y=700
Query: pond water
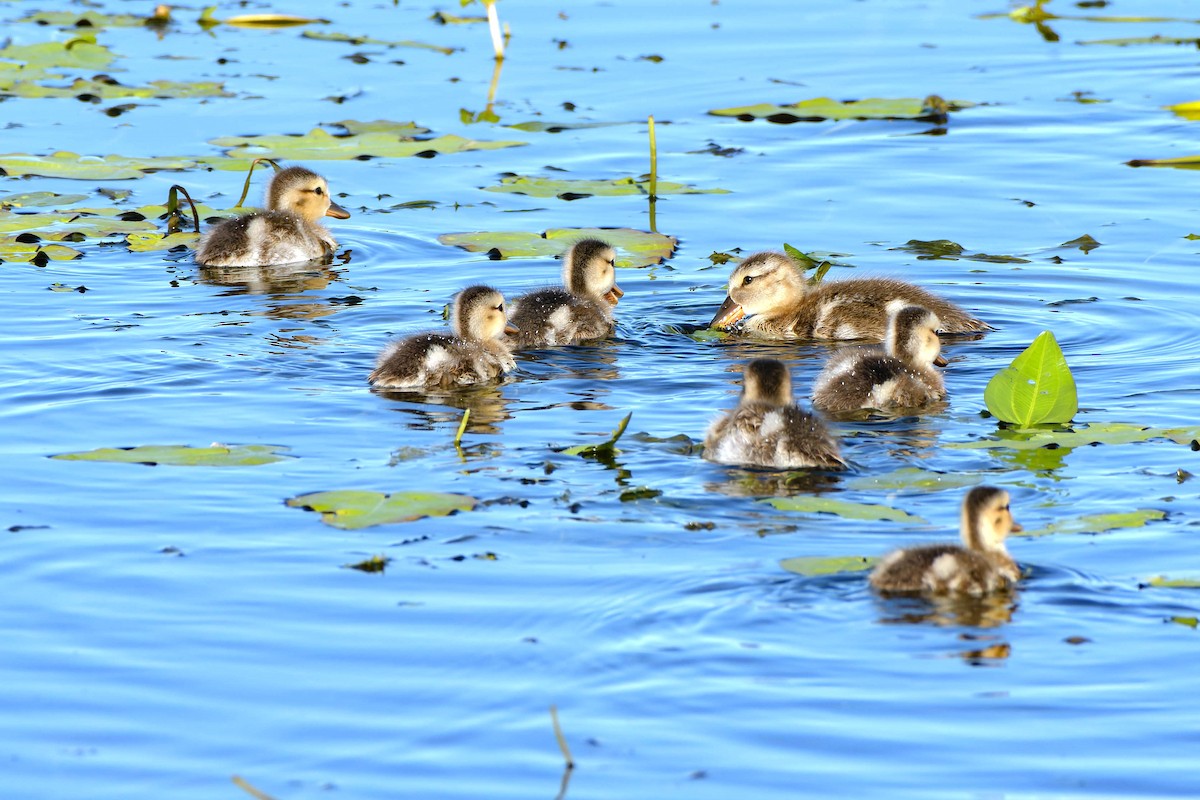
x=167 y=628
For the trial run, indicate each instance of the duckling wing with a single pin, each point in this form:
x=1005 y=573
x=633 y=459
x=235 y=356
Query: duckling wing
x=779 y=437
x=553 y=316
x=942 y=569
x=423 y=360
x=266 y=238
x=857 y=309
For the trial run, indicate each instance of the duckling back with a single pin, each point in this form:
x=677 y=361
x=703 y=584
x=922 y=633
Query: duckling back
x=942 y=569
x=551 y=317
x=858 y=309
x=265 y=238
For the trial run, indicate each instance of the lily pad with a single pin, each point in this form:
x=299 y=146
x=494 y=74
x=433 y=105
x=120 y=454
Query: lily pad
x=819 y=109
x=946 y=250
x=1182 y=162
x=321 y=145
x=322 y=36
x=105 y=88
x=155 y=242
x=64 y=164
x=82 y=52
x=842 y=508
x=1036 y=388
x=351 y=510
x=11 y=249
x=84 y=19
x=635 y=248
x=39 y=200
x=540 y=126
x=1081 y=436
x=405 y=130
x=812 y=566
x=216 y=455
x=558 y=187
x=271 y=21
x=1099 y=523
x=913 y=479
x=606 y=448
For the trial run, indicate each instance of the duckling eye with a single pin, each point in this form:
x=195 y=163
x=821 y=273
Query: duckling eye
x=746 y=281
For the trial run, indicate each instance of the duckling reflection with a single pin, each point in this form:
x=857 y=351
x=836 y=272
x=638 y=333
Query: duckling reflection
x=579 y=312
x=431 y=410
x=968 y=610
x=900 y=374
x=287 y=232
x=982 y=566
x=767 y=429
x=771 y=292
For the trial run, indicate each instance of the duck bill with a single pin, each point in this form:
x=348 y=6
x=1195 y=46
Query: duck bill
x=337 y=212
x=614 y=295
x=728 y=315
x=940 y=361
x=1017 y=527
x=510 y=329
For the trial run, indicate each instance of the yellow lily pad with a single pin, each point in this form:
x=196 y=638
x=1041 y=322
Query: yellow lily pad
x=22 y=252
x=216 y=455
x=351 y=510
x=1099 y=523
x=558 y=187
x=842 y=508
x=370 y=40
x=1188 y=110
x=271 y=21
x=812 y=566
x=1174 y=583
x=65 y=164
x=320 y=144
x=819 y=109
x=635 y=248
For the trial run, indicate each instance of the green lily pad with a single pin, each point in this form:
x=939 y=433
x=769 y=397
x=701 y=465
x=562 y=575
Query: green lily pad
x=109 y=89
x=39 y=200
x=558 y=187
x=155 y=242
x=842 y=508
x=84 y=19
x=322 y=36
x=216 y=455
x=1099 y=523
x=540 y=126
x=13 y=250
x=606 y=448
x=1080 y=436
x=823 y=108
x=351 y=510
x=1036 y=388
x=64 y=164
x=913 y=479
x=812 y=566
x=321 y=145
x=946 y=250
x=635 y=248
x=82 y=52
x=406 y=130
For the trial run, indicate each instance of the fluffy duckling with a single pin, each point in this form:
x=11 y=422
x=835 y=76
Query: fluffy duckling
x=475 y=353
x=900 y=374
x=767 y=429
x=553 y=316
x=287 y=232
x=771 y=290
x=983 y=566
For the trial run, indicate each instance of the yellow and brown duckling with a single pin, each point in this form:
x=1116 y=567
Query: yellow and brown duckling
x=768 y=429
x=901 y=374
x=580 y=311
x=981 y=566
x=287 y=232
x=778 y=302
x=476 y=352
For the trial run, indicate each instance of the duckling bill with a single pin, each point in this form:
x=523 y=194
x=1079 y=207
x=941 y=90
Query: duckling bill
x=287 y=232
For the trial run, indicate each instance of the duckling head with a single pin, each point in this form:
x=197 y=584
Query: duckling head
x=766 y=380
x=912 y=335
x=590 y=270
x=763 y=283
x=478 y=314
x=303 y=193
x=986 y=519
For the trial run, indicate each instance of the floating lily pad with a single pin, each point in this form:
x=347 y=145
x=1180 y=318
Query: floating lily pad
x=812 y=566
x=558 y=187
x=606 y=448
x=64 y=164
x=539 y=126
x=635 y=248
x=842 y=508
x=946 y=250
x=154 y=242
x=351 y=510
x=1080 y=436
x=109 y=89
x=913 y=479
x=320 y=144
x=1036 y=388
x=406 y=130
x=39 y=200
x=216 y=455
x=823 y=108
x=1099 y=523
x=361 y=40
x=81 y=52
x=11 y=249
x=84 y=19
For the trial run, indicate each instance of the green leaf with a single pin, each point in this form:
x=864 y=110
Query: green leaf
x=109 y=89
x=805 y=261
x=1037 y=388
x=82 y=52
x=812 y=566
x=555 y=187
x=155 y=242
x=824 y=108
x=604 y=449
x=1099 y=523
x=635 y=248
x=913 y=479
x=320 y=144
x=841 y=508
x=351 y=510
x=64 y=164
x=39 y=200
x=1191 y=622
x=946 y=250
x=216 y=455
x=1105 y=433
x=22 y=252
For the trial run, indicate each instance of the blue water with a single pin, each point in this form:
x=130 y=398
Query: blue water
x=167 y=628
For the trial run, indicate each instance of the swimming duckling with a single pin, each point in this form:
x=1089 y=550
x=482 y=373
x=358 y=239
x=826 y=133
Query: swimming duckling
x=900 y=374
x=767 y=429
x=553 y=316
x=983 y=566
x=770 y=289
x=287 y=232
x=475 y=353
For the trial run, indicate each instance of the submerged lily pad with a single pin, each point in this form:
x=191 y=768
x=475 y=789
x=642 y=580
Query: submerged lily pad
x=1099 y=523
x=1036 y=388
x=823 y=108
x=946 y=250
x=361 y=40
x=216 y=455
x=351 y=510
x=812 y=566
x=913 y=479
x=64 y=164
x=320 y=144
x=540 y=126
x=1080 y=436
x=842 y=508
x=534 y=186
x=635 y=248
x=105 y=88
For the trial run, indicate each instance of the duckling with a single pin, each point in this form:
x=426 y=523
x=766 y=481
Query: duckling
x=770 y=289
x=983 y=566
x=900 y=374
x=286 y=232
x=767 y=429
x=553 y=316
x=476 y=352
